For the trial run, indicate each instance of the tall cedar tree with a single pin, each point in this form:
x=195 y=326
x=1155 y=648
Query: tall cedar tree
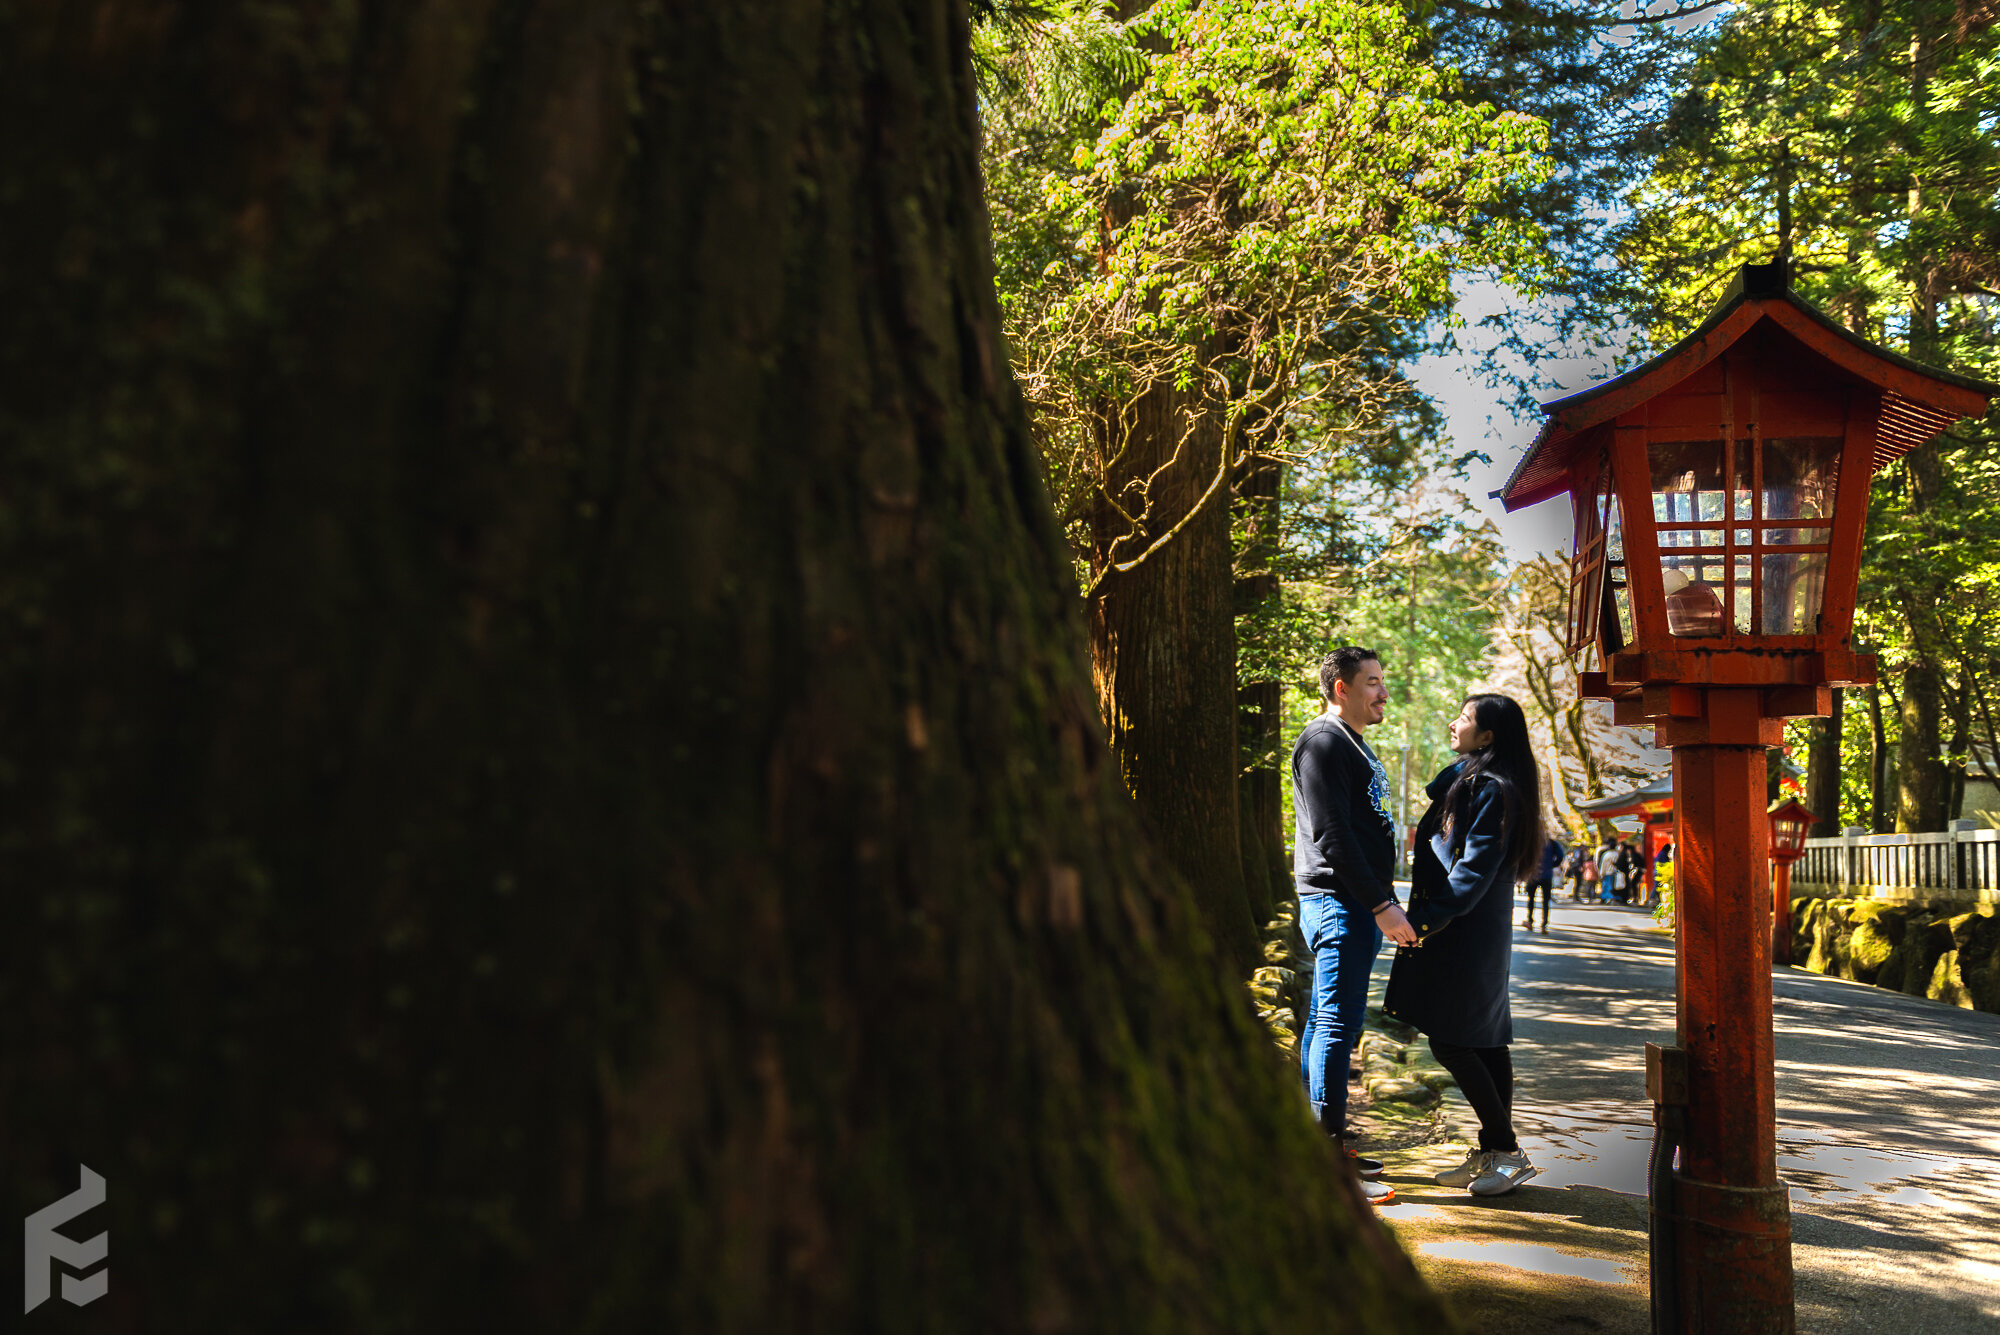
x=550 y=778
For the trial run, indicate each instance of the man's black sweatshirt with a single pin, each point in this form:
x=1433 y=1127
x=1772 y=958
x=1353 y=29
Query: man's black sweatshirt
x=1344 y=846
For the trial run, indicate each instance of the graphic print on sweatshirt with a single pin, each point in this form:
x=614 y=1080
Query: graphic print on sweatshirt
x=1378 y=779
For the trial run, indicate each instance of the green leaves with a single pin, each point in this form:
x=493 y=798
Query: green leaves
x=1862 y=138
x=1280 y=191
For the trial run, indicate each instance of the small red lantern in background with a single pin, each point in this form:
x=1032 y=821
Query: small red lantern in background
x=1789 y=823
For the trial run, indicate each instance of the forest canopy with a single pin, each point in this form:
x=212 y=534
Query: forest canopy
x=1272 y=206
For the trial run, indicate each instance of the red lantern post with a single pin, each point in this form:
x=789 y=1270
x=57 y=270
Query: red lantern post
x=1720 y=492
x=1789 y=823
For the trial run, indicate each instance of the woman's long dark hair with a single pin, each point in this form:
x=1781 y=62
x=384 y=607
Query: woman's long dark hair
x=1509 y=760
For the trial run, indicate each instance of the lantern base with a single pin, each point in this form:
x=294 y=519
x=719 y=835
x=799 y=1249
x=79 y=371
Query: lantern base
x=1735 y=1258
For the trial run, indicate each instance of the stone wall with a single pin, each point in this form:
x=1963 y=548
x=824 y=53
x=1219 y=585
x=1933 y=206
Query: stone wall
x=1934 y=949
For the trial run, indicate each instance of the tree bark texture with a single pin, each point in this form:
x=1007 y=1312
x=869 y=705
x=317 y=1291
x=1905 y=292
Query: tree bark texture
x=1922 y=784
x=550 y=778
x=1959 y=694
x=1267 y=865
x=1163 y=648
x=1260 y=719
x=1881 y=755
x=1823 y=771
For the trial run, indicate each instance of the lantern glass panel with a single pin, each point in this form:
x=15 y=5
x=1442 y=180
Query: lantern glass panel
x=1687 y=481
x=1794 y=586
x=1587 y=571
x=1801 y=474
x=1689 y=510
x=1744 y=618
x=1614 y=554
x=1803 y=535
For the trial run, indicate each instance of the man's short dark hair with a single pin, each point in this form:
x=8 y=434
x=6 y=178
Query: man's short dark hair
x=1341 y=665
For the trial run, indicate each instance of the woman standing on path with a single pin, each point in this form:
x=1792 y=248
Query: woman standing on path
x=1483 y=829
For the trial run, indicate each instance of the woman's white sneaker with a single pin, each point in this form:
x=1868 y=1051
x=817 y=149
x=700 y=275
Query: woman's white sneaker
x=1503 y=1173
x=1461 y=1176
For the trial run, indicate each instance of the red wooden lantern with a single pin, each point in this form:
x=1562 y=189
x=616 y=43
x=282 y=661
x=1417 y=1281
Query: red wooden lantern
x=1719 y=492
x=1789 y=823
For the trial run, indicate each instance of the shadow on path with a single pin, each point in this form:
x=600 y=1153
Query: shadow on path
x=1888 y=1138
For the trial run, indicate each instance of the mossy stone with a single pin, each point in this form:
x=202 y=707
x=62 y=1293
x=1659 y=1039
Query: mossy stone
x=1947 y=985
x=1401 y=1091
x=1812 y=931
x=1981 y=975
x=1868 y=950
x=1976 y=932
x=1884 y=917
x=1925 y=942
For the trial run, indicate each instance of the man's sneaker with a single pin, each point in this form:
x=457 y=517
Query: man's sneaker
x=1502 y=1174
x=1461 y=1176
x=1370 y=1169
x=1378 y=1193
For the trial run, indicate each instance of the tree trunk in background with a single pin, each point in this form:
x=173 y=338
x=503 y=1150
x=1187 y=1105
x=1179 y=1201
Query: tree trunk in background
x=1879 y=818
x=550 y=778
x=1163 y=652
x=1823 y=771
x=1265 y=763
x=1922 y=784
x=1266 y=870
x=1961 y=740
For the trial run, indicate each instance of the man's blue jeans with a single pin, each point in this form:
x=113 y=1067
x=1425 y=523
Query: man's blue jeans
x=1344 y=943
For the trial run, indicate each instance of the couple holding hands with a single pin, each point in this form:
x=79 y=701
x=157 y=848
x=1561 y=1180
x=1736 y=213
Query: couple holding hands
x=1482 y=831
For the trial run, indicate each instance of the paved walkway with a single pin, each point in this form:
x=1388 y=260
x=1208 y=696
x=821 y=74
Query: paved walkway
x=1888 y=1129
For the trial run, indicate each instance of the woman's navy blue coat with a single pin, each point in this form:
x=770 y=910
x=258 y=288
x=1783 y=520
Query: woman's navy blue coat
x=1454 y=986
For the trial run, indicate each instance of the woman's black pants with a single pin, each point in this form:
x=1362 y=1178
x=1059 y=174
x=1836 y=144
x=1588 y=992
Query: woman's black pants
x=1486 y=1076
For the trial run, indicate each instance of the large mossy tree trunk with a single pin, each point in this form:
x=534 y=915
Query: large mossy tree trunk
x=550 y=776
x=1163 y=645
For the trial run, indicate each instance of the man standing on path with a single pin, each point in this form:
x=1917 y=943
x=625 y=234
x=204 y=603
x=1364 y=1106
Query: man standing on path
x=1545 y=877
x=1343 y=861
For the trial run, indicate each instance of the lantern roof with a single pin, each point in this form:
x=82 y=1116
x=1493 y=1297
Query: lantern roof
x=1918 y=401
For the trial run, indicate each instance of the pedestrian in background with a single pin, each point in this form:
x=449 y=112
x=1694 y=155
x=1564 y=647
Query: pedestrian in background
x=1483 y=831
x=1544 y=881
x=1631 y=867
x=1608 y=855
